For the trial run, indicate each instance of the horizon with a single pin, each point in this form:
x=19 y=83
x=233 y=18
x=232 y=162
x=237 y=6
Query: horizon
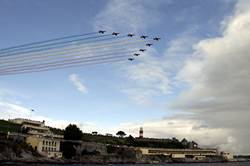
x=193 y=84
x=106 y=134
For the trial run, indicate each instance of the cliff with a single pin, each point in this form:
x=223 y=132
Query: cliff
x=10 y=150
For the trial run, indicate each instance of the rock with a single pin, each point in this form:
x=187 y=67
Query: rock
x=2 y=157
x=26 y=155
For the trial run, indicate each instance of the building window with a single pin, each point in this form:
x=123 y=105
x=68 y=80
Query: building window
x=46 y=142
x=42 y=148
x=55 y=143
x=43 y=142
x=49 y=143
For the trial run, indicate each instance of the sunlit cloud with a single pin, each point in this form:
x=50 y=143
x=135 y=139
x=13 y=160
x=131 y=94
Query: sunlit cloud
x=77 y=82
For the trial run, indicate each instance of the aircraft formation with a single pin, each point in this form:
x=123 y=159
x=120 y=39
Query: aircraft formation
x=73 y=51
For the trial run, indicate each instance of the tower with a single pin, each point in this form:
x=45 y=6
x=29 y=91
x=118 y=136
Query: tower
x=141 y=132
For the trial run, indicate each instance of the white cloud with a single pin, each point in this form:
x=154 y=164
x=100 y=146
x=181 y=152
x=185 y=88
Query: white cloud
x=75 y=79
x=128 y=16
x=132 y=16
x=148 y=77
x=155 y=75
x=145 y=79
x=10 y=109
x=181 y=128
x=215 y=70
x=218 y=76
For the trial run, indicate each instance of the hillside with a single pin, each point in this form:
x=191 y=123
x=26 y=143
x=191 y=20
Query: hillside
x=6 y=126
x=131 y=141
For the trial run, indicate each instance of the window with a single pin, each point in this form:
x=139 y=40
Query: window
x=42 y=148
x=55 y=143
x=43 y=142
x=46 y=142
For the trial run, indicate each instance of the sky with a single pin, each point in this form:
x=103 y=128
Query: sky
x=194 y=83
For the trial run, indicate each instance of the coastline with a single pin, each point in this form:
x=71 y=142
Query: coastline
x=84 y=163
x=46 y=161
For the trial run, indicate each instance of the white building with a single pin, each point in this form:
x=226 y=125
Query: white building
x=40 y=137
x=46 y=146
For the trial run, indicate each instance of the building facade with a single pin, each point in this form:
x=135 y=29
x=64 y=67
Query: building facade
x=179 y=153
x=46 y=146
x=40 y=137
x=31 y=125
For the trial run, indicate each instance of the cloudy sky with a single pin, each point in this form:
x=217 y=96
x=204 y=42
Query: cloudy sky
x=195 y=83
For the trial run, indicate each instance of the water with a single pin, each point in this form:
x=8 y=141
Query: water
x=176 y=164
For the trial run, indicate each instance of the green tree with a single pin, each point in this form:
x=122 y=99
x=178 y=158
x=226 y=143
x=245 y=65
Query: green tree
x=72 y=132
x=121 y=134
x=130 y=140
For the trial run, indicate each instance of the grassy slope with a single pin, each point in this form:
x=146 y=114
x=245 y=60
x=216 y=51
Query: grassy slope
x=6 y=126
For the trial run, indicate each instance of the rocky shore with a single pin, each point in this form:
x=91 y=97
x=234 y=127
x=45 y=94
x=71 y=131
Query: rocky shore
x=18 y=152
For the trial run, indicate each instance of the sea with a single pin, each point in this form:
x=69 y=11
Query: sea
x=176 y=164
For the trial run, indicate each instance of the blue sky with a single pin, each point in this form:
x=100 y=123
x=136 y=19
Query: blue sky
x=51 y=94
x=115 y=94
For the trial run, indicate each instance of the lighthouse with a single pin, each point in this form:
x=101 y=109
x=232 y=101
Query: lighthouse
x=141 y=132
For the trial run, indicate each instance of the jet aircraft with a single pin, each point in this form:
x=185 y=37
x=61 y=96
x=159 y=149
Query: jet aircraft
x=142 y=50
x=156 y=38
x=148 y=44
x=115 y=33
x=102 y=32
x=144 y=37
x=131 y=35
